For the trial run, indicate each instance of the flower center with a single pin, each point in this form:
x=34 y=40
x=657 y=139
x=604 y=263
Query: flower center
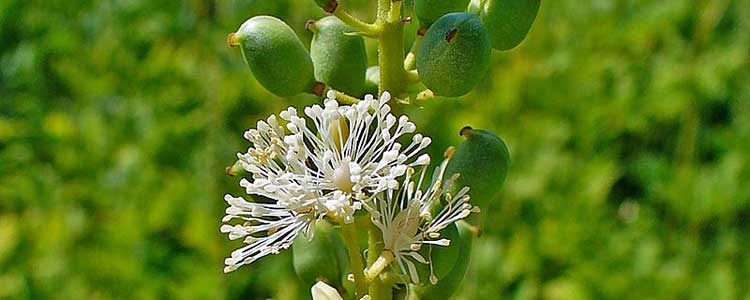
x=342 y=177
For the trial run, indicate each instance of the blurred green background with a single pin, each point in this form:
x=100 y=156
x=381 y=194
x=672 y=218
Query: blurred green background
x=628 y=123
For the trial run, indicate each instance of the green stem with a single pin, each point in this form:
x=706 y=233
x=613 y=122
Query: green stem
x=355 y=258
x=344 y=98
x=366 y=29
x=391 y=58
x=378 y=290
x=381 y=290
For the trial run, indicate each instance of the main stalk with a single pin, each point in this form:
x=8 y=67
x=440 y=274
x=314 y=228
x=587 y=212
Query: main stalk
x=393 y=77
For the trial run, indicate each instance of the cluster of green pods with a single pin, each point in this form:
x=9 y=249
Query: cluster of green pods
x=453 y=57
x=455 y=53
x=282 y=65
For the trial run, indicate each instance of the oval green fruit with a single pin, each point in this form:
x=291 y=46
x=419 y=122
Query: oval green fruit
x=454 y=55
x=508 y=21
x=482 y=164
x=339 y=59
x=275 y=55
x=323 y=258
x=447 y=286
x=428 y=11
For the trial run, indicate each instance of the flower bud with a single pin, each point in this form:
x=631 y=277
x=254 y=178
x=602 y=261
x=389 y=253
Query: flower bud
x=322 y=291
x=339 y=58
x=454 y=55
x=275 y=55
x=482 y=164
x=508 y=21
x=323 y=258
x=430 y=10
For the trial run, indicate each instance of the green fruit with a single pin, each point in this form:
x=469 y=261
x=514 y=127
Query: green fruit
x=443 y=258
x=508 y=21
x=275 y=55
x=448 y=285
x=428 y=11
x=482 y=164
x=454 y=55
x=323 y=258
x=340 y=60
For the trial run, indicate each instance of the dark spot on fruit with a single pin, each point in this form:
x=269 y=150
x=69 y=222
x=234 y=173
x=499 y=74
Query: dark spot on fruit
x=331 y=6
x=450 y=35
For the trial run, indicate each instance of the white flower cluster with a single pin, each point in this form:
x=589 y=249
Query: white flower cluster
x=330 y=162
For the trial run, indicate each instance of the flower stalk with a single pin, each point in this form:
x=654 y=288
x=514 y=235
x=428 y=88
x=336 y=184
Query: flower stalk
x=355 y=258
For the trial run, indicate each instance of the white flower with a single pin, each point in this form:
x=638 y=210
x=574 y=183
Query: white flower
x=404 y=217
x=324 y=163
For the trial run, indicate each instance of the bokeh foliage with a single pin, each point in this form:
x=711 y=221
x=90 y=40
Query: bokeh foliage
x=628 y=123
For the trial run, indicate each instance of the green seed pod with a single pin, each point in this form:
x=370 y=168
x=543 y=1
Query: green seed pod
x=508 y=21
x=275 y=55
x=340 y=60
x=482 y=163
x=454 y=55
x=323 y=258
x=442 y=259
x=448 y=285
x=428 y=11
